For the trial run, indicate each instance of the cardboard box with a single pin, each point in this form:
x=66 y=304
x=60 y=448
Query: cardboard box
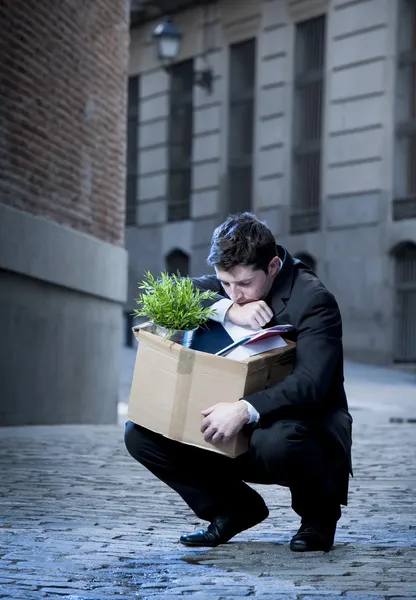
x=172 y=384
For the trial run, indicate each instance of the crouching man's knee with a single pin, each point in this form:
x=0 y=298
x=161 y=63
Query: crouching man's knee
x=133 y=440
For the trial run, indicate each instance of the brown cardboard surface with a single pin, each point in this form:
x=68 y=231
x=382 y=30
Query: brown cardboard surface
x=172 y=384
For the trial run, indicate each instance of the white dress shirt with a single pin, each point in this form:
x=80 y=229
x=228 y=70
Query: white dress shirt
x=221 y=308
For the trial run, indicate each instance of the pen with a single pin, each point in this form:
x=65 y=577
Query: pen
x=228 y=349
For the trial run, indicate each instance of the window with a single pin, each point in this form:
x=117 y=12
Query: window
x=405 y=327
x=180 y=141
x=404 y=206
x=177 y=262
x=307 y=124
x=241 y=125
x=132 y=149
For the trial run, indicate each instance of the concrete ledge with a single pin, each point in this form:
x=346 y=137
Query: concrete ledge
x=44 y=250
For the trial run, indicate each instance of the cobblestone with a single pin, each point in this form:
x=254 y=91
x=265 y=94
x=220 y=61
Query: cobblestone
x=80 y=520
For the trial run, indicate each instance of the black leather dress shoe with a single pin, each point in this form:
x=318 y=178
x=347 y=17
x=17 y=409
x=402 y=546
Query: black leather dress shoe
x=313 y=538
x=223 y=529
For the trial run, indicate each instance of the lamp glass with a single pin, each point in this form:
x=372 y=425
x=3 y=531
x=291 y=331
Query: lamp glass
x=168 y=48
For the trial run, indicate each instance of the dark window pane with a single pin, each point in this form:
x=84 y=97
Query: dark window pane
x=308 y=120
x=132 y=149
x=179 y=195
x=131 y=196
x=241 y=125
x=181 y=128
x=182 y=77
x=180 y=140
x=309 y=100
x=242 y=67
x=310 y=45
x=307 y=169
x=411 y=183
x=241 y=129
x=240 y=188
x=133 y=95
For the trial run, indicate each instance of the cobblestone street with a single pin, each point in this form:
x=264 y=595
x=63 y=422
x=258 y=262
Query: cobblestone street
x=81 y=520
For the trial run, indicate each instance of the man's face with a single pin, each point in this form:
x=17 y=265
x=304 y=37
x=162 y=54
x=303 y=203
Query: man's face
x=244 y=284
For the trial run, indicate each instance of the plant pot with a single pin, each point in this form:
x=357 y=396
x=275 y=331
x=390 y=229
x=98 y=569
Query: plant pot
x=182 y=337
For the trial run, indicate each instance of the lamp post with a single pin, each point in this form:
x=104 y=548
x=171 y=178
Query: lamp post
x=168 y=41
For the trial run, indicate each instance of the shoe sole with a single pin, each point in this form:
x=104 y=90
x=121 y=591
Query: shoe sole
x=191 y=545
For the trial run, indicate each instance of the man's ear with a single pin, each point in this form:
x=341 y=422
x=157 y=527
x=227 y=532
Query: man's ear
x=274 y=266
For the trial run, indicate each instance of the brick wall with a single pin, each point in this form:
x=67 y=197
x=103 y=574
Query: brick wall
x=62 y=111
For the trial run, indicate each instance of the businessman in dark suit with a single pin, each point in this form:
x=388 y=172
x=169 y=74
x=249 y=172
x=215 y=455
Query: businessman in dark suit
x=300 y=429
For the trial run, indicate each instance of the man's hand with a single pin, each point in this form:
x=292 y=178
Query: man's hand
x=224 y=420
x=253 y=314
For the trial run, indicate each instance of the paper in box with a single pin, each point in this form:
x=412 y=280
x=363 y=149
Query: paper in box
x=172 y=384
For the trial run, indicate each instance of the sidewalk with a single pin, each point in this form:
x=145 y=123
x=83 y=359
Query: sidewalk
x=79 y=519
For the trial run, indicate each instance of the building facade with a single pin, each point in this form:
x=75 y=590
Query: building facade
x=63 y=266
x=311 y=124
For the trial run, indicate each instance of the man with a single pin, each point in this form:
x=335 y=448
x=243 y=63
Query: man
x=300 y=429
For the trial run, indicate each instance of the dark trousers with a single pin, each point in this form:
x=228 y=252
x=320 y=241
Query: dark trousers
x=287 y=453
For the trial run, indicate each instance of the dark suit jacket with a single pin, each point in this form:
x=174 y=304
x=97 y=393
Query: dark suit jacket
x=314 y=392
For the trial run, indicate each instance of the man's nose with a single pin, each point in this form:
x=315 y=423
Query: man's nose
x=236 y=295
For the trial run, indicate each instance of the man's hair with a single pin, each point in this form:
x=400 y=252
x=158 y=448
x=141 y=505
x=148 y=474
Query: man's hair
x=242 y=240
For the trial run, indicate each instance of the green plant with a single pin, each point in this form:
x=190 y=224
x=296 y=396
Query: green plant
x=173 y=302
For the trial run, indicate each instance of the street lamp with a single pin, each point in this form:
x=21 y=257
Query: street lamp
x=168 y=40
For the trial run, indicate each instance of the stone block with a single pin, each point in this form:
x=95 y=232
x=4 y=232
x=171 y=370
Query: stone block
x=270 y=161
x=269 y=193
x=207 y=118
x=272 y=131
x=349 y=17
x=177 y=236
x=153 y=133
x=205 y=203
x=154 y=108
x=353 y=211
x=206 y=147
x=354 y=179
x=274 y=41
x=202 y=233
x=274 y=70
x=153 y=212
x=355 y=146
x=206 y=175
x=153 y=82
x=152 y=186
x=272 y=100
x=356 y=114
x=358 y=81
x=153 y=160
x=366 y=46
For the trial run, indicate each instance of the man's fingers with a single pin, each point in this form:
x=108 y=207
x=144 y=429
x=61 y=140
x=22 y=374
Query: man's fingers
x=205 y=424
x=217 y=437
x=258 y=321
x=207 y=411
x=209 y=433
x=265 y=311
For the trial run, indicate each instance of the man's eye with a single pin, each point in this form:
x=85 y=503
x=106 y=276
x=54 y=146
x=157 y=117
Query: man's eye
x=225 y=284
